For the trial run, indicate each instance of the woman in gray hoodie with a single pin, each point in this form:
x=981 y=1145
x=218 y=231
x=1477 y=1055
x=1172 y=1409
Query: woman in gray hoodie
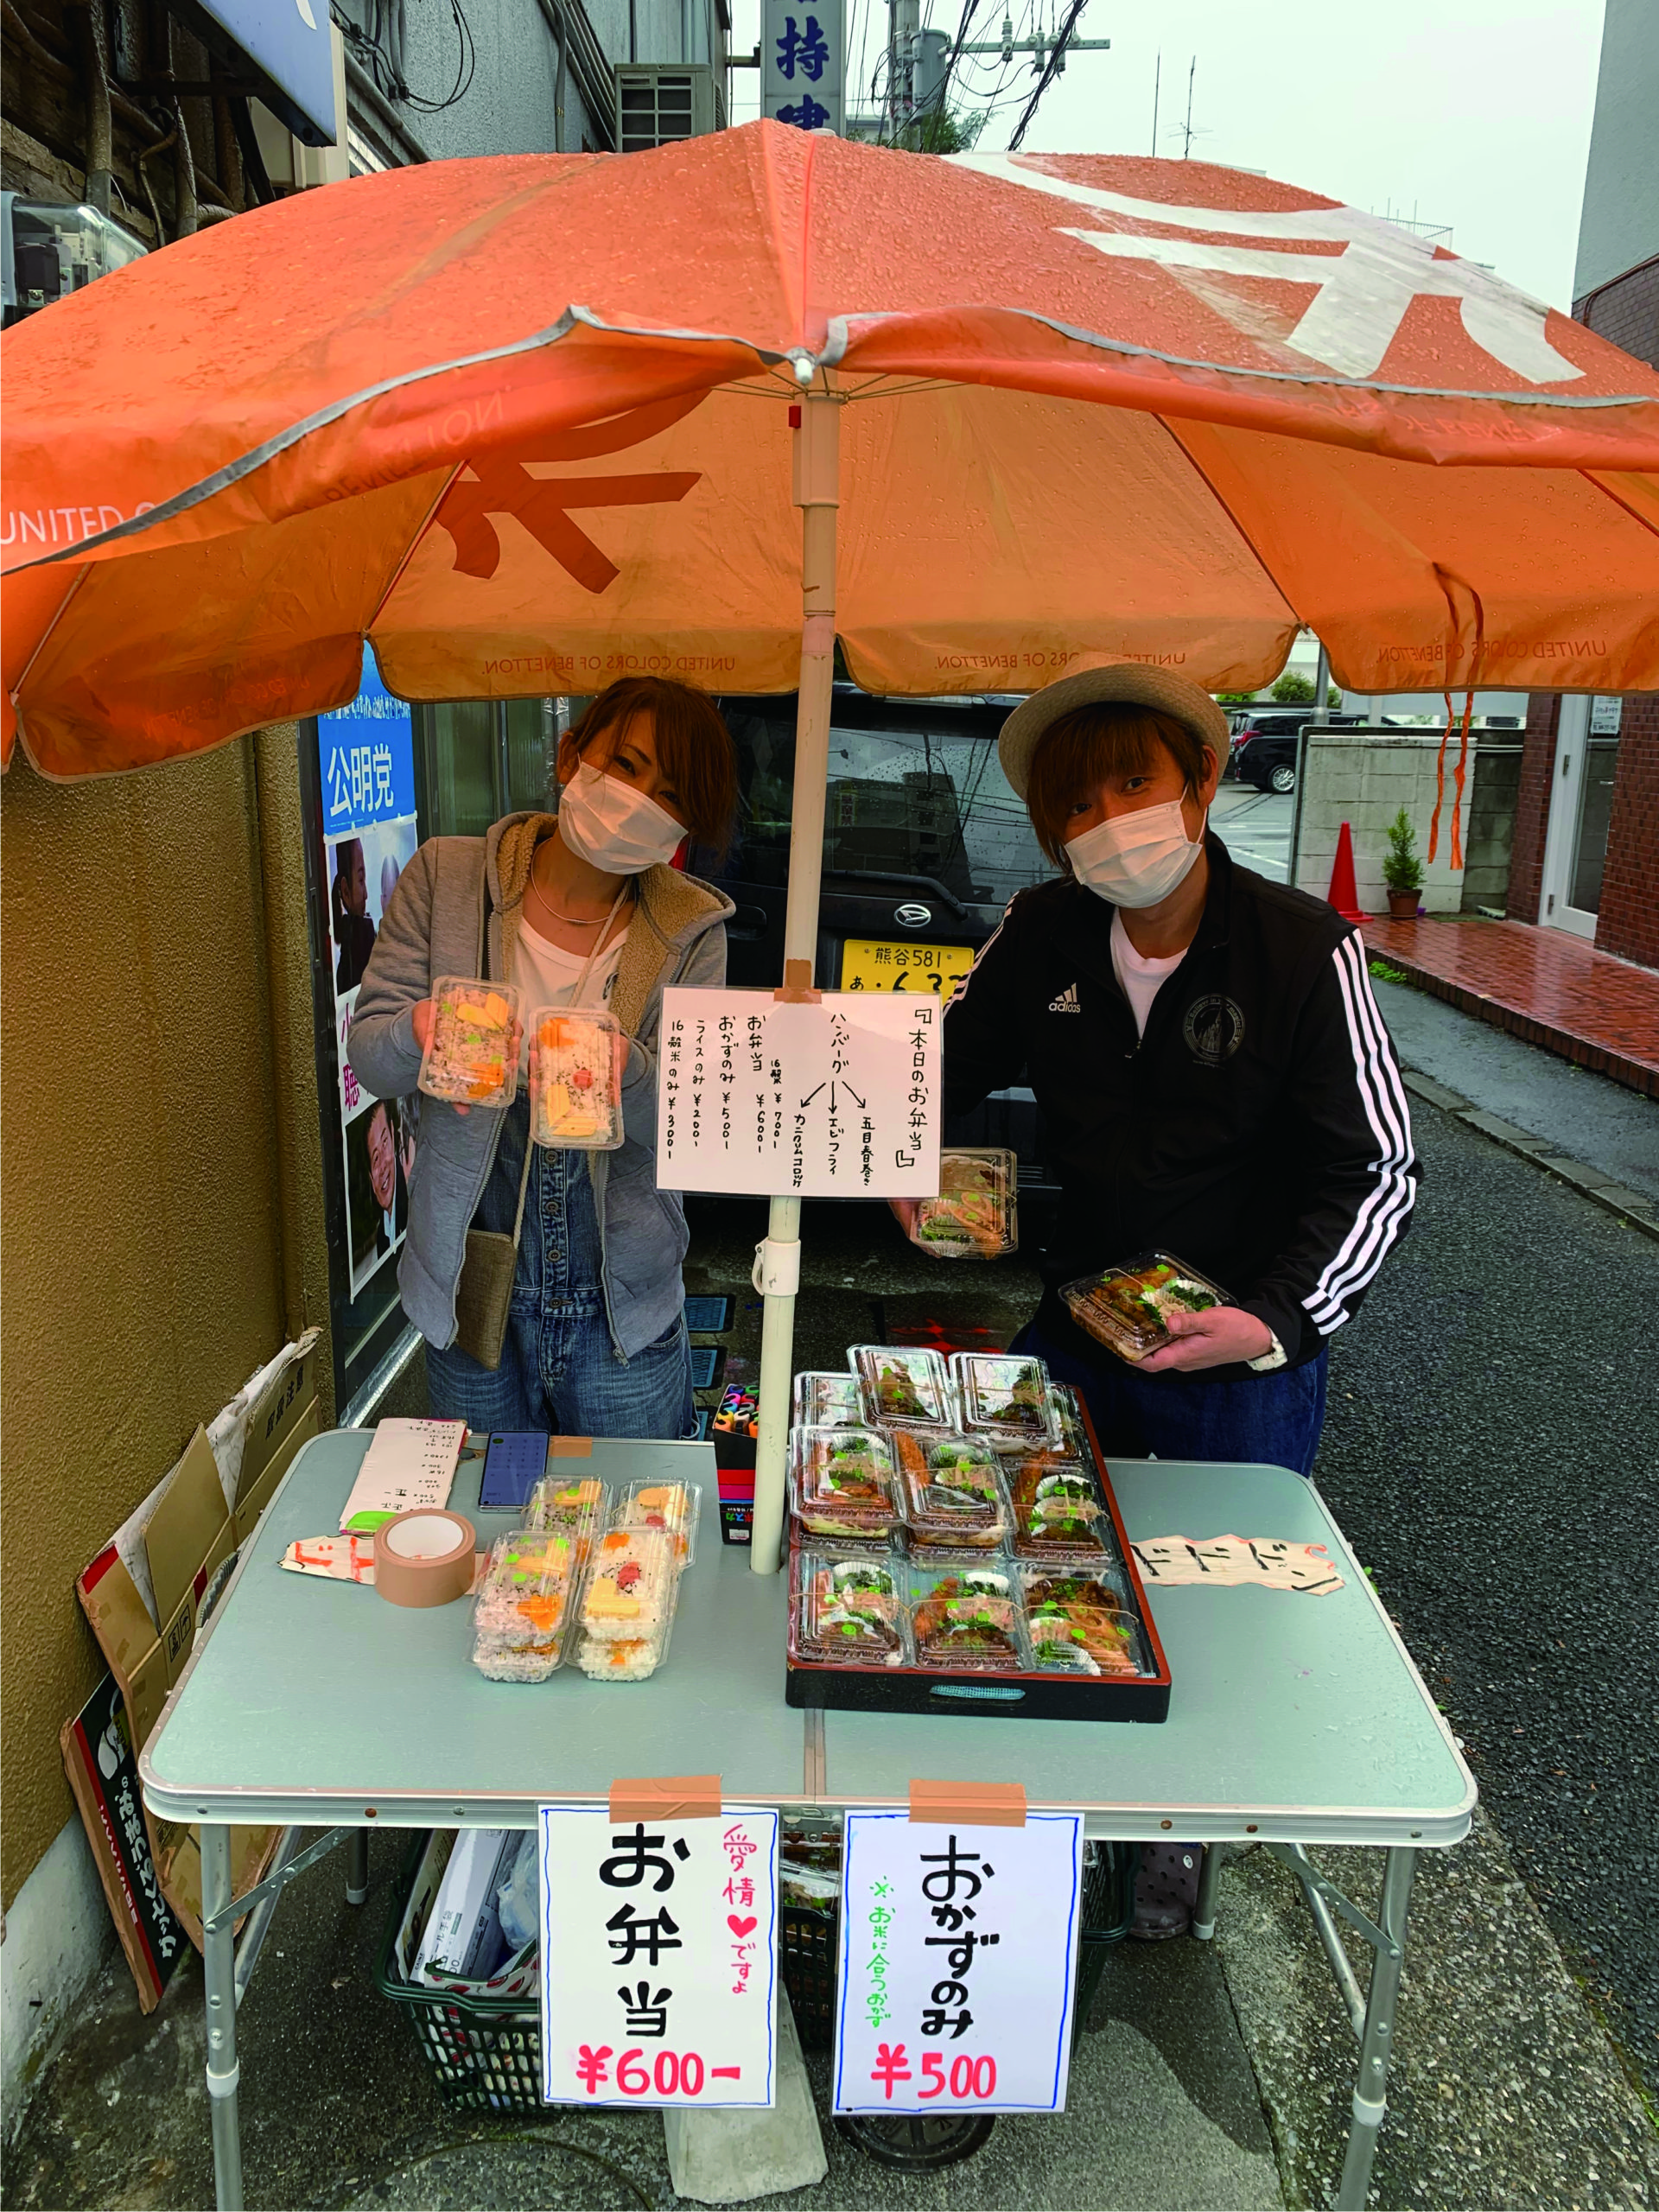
x=580 y=903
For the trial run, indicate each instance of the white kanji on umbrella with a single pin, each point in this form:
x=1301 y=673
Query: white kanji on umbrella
x=1363 y=294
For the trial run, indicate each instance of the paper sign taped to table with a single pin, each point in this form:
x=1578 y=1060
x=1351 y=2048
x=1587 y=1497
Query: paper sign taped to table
x=836 y=1100
x=409 y=1468
x=1225 y=1562
x=957 y=1964
x=663 y=1939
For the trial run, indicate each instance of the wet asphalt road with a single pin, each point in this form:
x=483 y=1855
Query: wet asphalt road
x=1492 y=1452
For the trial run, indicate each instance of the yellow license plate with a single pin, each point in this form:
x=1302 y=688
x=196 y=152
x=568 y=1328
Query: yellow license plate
x=869 y=964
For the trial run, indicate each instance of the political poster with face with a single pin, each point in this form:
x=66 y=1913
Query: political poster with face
x=365 y=756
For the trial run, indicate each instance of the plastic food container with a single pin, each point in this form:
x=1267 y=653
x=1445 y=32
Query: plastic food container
x=627 y=1604
x=967 y=1619
x=1124 y=1307
x=1065 y=1411
x=525 y=1604
x=901 y=1383
x=853 y=1611
x=675 y=1508
x=843 y=1482
x=830 y=1398
x=578 y=1505
x=576 y=1058
x=469 y=1060
x=951 y=1490
x=1080 y=1623
x=1004 y=1396
x=1058 y=1510
x=975 y=1216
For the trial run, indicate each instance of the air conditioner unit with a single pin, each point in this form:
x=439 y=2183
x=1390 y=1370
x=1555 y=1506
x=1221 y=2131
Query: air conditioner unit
x=660 y=102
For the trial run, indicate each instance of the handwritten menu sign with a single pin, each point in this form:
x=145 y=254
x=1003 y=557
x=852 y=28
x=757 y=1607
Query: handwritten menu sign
x=958 y=1949
x=659 y=1947
x=409 y=1468
x=838 y=1099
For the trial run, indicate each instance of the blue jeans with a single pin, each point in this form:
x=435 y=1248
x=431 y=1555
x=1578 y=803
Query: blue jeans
x=560 y=1370
x=1273 y=1419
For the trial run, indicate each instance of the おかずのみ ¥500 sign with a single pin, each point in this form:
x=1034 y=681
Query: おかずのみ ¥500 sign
x=660 y=1948
x=958 y=1969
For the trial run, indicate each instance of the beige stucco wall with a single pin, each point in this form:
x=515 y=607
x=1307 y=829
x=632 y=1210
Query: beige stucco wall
x=157 y=1122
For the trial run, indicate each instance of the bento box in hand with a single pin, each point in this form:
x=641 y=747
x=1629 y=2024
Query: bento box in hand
x=1127 y=1308
x=576 y=1058
x=469 y=1058
x=976 y=1215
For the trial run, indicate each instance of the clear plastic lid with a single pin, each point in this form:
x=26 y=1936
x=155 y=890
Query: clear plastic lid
x=829 y=1398
x=526 y=1601
x=1003 y=1396
x=902 y=1382
x=1065 y=1408
x=578 y=1503
x=1124 y=1307
x=628 y=1595
x=976 y=1215
x=843 y=1481
x=469 y=1060
x=967 y=1618
x=674 y=1507
x=951 y=1490
x=1081 y=1623
x=852 y=1610
x=577 y=1055
x=1058 y=1508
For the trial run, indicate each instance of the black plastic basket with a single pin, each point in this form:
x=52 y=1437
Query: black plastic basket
x=485 y=2052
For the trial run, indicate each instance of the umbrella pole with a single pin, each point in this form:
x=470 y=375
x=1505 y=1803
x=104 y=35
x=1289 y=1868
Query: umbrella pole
x=817 y=440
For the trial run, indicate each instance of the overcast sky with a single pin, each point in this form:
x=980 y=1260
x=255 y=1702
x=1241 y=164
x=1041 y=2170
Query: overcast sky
x=1474 y=113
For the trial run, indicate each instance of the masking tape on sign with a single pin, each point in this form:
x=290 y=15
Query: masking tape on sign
x=666 y=1798
x=972 y=1804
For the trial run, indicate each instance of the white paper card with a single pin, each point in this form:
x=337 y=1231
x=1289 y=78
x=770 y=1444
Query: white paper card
x=659 y=1950
x=835 y=1100
x=958 y=1961
x=409 y=1468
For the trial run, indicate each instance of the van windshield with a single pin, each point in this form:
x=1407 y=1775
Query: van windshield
x=915 y=789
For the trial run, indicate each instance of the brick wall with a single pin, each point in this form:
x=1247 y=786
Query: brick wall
x=1532 y=807
x=1626 y=312
x=1628 y=923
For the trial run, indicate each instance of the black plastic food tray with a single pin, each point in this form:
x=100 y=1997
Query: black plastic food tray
x=1008 y=1696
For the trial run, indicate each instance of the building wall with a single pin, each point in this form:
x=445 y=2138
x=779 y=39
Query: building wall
x=1532 y=807
x=141 y=1273
x=1628 y=921
x=1619 y=224
x=1364 y=778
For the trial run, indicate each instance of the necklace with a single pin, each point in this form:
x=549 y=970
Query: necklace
x=572 y=921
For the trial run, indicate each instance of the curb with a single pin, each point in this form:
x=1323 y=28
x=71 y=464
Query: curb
x=1631 y=1206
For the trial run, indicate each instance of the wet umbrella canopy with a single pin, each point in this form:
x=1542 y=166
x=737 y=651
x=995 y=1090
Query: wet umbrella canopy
x=528 y=423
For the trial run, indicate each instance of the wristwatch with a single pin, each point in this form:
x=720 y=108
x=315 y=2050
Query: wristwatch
x=1274 y=1356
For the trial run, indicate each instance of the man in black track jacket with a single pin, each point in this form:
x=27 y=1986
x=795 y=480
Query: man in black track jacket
x=1215 y=1076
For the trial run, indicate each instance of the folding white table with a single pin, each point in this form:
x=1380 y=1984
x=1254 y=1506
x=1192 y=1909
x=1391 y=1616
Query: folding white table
x=1292 y=1721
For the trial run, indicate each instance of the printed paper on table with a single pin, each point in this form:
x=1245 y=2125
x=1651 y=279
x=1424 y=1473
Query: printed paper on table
x=409 y=1468
x=837 y=1099
x=665 y=1938
x=957 y=1966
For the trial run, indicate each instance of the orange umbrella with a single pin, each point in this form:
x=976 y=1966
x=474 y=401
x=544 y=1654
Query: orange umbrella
x=529 y=424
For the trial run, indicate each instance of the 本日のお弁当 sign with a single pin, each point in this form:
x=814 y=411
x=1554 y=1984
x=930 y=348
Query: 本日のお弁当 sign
x=835 y=1099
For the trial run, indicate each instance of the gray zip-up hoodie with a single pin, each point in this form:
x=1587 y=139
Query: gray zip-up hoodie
x=456 y=912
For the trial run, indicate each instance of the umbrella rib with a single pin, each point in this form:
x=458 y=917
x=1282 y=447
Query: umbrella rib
x=1226 y=506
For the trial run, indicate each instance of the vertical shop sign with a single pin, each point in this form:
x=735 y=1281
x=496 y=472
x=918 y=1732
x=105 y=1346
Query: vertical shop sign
x=958 y=1964
x=802 y=63
x=659 y=1959
x=365 y=756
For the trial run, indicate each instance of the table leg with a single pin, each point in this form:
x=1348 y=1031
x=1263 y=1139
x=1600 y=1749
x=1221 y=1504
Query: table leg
x=357 y=1866
x=1377 y=2041
x=1203 y=1912
x=219 y=1974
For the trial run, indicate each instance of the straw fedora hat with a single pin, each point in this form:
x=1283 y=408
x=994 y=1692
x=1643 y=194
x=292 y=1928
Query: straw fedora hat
x=1121 y=683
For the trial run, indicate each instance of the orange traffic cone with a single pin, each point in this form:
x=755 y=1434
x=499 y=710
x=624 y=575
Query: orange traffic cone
x=1345 y=892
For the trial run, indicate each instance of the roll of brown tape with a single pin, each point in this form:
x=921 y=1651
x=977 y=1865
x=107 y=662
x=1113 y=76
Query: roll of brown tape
x=425 y=1558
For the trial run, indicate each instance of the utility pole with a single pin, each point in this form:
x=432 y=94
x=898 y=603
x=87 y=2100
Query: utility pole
x=1008 y=46
x=904 y=43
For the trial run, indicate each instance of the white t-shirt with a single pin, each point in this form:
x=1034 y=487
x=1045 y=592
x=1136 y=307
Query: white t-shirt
x=1139 y=976
x=548 y=975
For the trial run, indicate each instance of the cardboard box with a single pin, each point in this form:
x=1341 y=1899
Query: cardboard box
x=99 y=1759
x=147 y=1594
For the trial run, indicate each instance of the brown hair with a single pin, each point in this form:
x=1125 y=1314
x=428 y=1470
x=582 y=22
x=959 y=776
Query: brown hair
x=693 y=748
x=1076 y=752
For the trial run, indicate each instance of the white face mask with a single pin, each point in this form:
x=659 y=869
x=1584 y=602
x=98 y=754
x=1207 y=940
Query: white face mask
x=610 y=826
x=1136 y=860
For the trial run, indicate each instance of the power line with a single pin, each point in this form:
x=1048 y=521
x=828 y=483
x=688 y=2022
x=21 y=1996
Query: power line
x=1052 y=68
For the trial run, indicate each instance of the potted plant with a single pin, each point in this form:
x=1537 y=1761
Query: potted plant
x=1402 y=869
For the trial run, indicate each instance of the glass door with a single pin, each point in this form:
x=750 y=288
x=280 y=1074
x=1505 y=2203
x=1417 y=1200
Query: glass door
x=1582 y=804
